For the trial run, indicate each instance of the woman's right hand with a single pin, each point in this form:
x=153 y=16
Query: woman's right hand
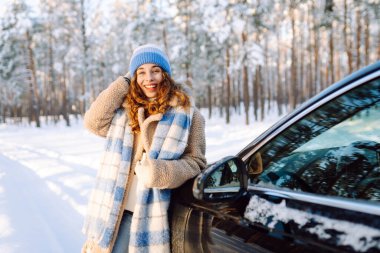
x=128 y=77
x=99 y=117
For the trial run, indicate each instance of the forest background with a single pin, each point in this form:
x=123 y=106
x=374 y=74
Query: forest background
x=240 y=56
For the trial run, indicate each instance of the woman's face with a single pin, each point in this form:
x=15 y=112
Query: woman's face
x=149 y=78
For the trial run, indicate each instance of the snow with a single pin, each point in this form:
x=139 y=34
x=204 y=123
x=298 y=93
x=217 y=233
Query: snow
x=46 y=176
x=359 y=237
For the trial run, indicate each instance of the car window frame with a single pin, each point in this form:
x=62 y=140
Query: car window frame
x=358 y=205
x=287 y=123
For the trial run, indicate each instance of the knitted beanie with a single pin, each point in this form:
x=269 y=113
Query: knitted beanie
x=149 y=53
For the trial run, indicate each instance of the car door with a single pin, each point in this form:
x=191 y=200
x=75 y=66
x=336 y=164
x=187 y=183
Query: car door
x=316 y=178
x=311 y=183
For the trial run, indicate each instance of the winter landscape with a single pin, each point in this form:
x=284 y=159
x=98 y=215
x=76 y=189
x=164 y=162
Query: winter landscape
x=46 y=177
x=245 y=60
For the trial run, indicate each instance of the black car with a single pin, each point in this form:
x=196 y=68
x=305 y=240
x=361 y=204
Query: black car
x=311 y=183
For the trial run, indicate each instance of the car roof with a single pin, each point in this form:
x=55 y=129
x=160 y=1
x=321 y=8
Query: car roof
x=326 y=92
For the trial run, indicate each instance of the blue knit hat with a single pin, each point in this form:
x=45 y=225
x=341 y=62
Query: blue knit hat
x=149 y=53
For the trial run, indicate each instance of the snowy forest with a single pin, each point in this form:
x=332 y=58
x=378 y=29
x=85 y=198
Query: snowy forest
x=239 y=56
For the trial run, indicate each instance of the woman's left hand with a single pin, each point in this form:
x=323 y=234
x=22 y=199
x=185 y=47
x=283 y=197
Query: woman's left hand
x=145 y=172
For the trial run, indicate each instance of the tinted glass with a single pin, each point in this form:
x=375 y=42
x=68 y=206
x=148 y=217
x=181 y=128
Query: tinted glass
x=334 y=150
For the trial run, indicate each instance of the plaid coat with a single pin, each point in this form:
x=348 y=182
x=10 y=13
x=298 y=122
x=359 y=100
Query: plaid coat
x=173 y=140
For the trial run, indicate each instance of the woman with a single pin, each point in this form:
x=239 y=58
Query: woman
x=155 y=142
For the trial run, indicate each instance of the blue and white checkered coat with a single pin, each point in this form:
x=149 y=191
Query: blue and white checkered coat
x=149 y=228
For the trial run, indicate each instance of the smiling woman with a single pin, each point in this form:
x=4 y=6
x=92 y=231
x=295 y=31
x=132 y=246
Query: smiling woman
x=154 y=132
x=149 y=77
x=151 y=86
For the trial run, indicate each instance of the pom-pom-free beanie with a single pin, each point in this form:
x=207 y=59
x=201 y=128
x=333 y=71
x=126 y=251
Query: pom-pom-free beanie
x=149 y=53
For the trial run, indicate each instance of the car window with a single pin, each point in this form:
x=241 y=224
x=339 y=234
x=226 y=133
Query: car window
x=334 y=150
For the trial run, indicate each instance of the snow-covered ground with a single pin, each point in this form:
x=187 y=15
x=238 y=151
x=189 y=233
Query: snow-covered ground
x=46 y=176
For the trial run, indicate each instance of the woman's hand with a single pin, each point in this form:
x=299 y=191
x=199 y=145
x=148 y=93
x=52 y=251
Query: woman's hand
x=127 y=78
x=144 y=172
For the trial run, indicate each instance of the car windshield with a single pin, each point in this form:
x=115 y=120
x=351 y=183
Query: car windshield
x=334 y=150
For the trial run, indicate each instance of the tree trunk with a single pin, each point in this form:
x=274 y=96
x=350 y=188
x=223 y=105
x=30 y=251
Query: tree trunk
x=189 y=39
x=327 y=75
x=85 y=84
x=239 y=90
x=209 y=100
x=269 y=78
x=316 y=45
x=347 y=40
x=164 y=38
x=46 y=96
x=4 y=113
x=221 y=99
x=331 y=63
x=64 y=96
x=52 y=103
x=293 y=77
x=255 y=92
x=366 y=38
x=310 y=70
x=15 y=114
x=228 y=86
x=358 y=38
x=279 y=83
x=245 y=83
x=261 y=93
x=234 y=94
x=378 y=42
x=330 y=70
x=302 y=83
x=34 y=93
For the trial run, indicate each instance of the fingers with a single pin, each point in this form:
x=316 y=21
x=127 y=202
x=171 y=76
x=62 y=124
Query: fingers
x=127 y=77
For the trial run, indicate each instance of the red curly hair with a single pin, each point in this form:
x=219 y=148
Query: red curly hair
x=136 y=98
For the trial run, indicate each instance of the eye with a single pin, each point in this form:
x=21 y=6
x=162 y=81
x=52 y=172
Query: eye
x=140 y=73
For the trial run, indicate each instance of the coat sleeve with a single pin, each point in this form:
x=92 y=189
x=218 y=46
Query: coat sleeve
x=169 y=174
x=99 y=117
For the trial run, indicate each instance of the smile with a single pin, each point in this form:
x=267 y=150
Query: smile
x=150 y=86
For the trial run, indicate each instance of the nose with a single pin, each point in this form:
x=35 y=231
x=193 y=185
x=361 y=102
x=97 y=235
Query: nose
x=149 y=76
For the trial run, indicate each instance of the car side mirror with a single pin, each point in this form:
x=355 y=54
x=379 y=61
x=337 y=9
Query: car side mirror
x=226 y=180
